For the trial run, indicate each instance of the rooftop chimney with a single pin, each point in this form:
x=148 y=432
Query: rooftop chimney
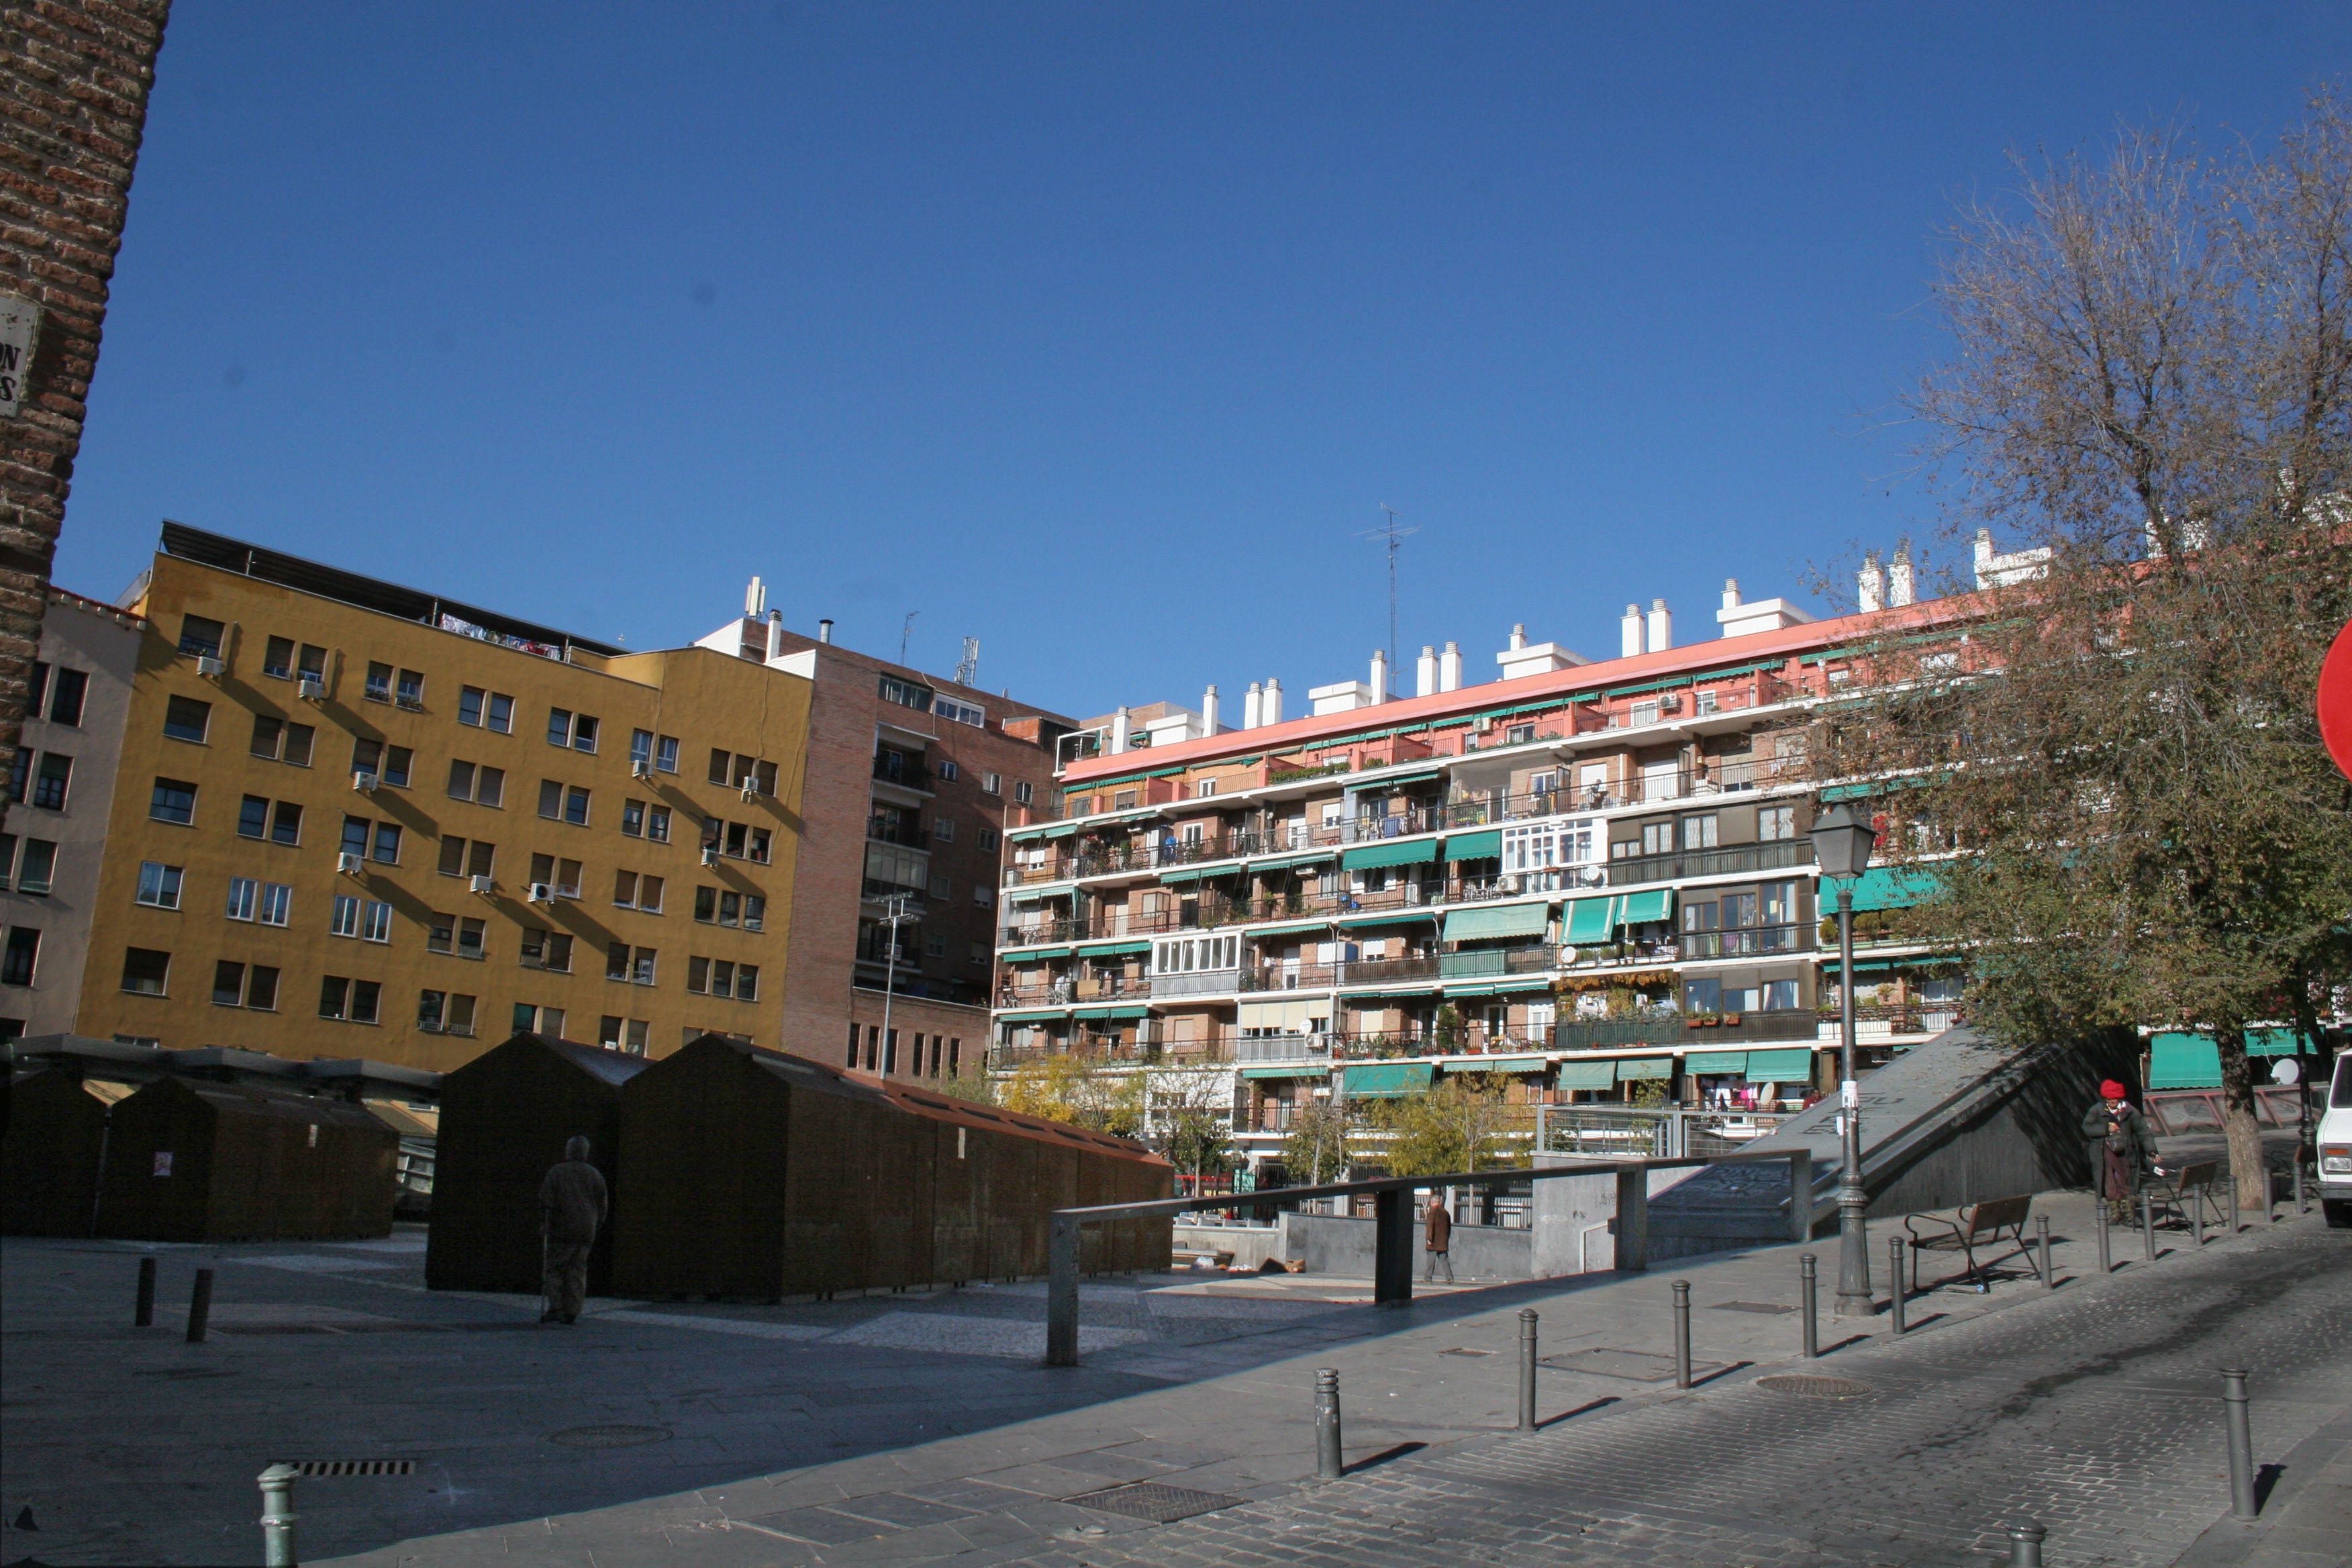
x=1731 y=593
x=1380 y=681
x=1272 y=711
x=755 y=600
x=1209 y=711
x=1425 y=671
x=775 y=635
x=1449 y=668
x=1119 y=730
x=1252 y=706
x=825 y=631
x=1662 y=627
x=1518 y=637
x=1870 y=585
x=1630 y=629
x=1524 y=658
x=1901 y=584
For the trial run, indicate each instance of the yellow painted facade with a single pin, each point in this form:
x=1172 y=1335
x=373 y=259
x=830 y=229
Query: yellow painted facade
x=313 y=932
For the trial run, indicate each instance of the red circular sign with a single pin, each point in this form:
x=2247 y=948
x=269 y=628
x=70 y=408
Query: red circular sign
x=2336 y=700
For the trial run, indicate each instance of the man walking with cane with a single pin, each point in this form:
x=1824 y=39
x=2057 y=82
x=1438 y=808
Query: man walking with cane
x=1439 y=1241
x=571 y=1207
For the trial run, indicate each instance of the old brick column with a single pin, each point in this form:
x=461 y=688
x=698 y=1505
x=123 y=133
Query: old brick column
x=74 y=79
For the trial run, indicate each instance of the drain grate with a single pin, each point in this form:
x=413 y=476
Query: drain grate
x=357 y=1467
x=1750 y=1306
x=1152 y=1500
x=1816 y=1387
x=1460 y=1350
x=611 y=1437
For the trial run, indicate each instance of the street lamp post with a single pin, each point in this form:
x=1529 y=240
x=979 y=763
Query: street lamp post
x=1843 y=841
x=896 y=904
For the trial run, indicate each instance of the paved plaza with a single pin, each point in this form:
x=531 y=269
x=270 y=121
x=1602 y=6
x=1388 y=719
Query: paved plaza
x=907 y=1428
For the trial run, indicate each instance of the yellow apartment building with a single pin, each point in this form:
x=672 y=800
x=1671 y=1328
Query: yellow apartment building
x=352 y=819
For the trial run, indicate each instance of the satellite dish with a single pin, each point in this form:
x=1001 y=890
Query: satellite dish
x=2286 y=1069
x=1568 y=955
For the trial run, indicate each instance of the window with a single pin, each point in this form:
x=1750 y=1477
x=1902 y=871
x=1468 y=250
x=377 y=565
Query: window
x=66 y=697
x=345 y=920
x=621 y=1035
x=286 y=823
x=1779 y=904
x=408 y=690
x=175 y=800
x=379 y=682
x=50 y=779
x=978 y=953
x=499 y=713
x=562 y=803
x=657 y=824
x=988 y=838
x=549 y=949
x=575 y=730
x=159 y=884
x=21 y=775
x=1646 y=713
x=633 y=819
x=1779 y=996
x=935 y=946
x=279 y=741
x=1774 y=822
x=23 y=952
x=666 y=755
x=481 y=783
x=492 y=710
x=760 y=842
x=1519 y=734
x=961 y=713
x=1698 y=832
x=276 y=904
x=390 y=765
x=260 y=987
x=37 y=866
x=1123 y=800
x=470 y=933
x=943 y=829
x=440 y=1012
x=983 y=895
x=630 y=890
x=278 y=658
x=466 y=858
x=1204 y=788
x=633 y=965
x=37 y=687
x=575 y=806
x=312 y=664
x=441 y=932
x=563 y=876
x=939 y=886
x=469 y=705
x=1023 y=792
x=144 y=971
x=201 y=636
x=547 y=1021
x=229 y=983
x=1705 y=702
x=375 y=921
x=244 y=895
x=907 y=694
x=355 y=836
x=946 y=770
x=992 y=784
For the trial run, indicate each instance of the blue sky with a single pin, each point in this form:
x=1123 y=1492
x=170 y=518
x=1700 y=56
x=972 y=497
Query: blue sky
x=1096 y=331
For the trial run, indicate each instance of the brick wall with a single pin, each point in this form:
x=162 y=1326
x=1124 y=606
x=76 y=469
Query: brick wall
x=74 y=81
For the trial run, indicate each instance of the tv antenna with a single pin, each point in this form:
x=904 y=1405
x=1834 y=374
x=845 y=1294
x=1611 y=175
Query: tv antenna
x=905 y=633
x=967 y=672
x=1391 y=534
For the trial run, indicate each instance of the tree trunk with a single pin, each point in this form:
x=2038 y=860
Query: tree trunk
x=2239 y=1122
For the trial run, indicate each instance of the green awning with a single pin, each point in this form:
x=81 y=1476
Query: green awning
x=1170 y=878
x=1419 y=776
x=1505 y=1064
x=1781 y=1066
x=1632 y=1068
x=2183 y=1061
x=1060 y=830
x=1414 y=853
x=1470 y=988
x=1130 y=1012
x=1657 y=904
x=1592 y=919
x=1395 y=917
x=1286 y=1072
x=1092 y=1013
x=1586 y=1075
x=1033 y=1014
x=1110 y=949
x=2259 y=1042
x=1277 y=865
x=1289 y=927
x=1032 y=955
x=1715 y=1061
x=1383 y=999
x=1499 y=920
x=1474 y=846
x=1385 y=1080
x=1882 y=888
x=1497 y=988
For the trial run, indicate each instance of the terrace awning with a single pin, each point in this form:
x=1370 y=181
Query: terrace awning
x=1657 y=904
x=1781 y=1066
x=1497 y=919
x=1483 y=846
x=1386 y=1080
x=1418 y=852
x=1630 y=1068
x=1592 y=921
x=1586 y=1075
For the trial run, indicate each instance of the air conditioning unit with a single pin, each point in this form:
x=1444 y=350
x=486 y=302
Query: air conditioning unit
x=1670 y=704
x=363 y=780
x=348 y=864
x=209 y=667
x=751 y=789
x=541 y=893
x=478 y=884
x=709 y=855
x=311 y=687
x=641 y=769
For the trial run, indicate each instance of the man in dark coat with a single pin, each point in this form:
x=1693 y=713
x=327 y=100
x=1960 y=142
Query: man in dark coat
x=2123 y=1150
x=572 y=1202
x=1438 y=1240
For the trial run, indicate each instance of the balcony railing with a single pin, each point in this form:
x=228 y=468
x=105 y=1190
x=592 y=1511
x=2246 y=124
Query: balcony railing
x=905 y=771
x=1671 y=1029
x=1203 y=982
x=1741 y=941
x=1774 y=856
x=900 y=833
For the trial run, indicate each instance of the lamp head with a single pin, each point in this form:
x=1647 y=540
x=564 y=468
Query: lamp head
x=1842 y=840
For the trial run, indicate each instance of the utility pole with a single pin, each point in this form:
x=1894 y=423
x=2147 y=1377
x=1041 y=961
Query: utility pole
x=967 y=672
x=1391 y=534
x=906 y=632
x=896 y=905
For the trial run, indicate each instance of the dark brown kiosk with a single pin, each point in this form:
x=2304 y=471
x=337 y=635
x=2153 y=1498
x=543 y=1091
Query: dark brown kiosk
x=756 y=1176
x=505 y=1118
x=189 y=1160
x=49 y=1155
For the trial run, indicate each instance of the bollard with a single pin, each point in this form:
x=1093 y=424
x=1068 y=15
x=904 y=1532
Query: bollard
x=1807 y=1284
x=2147 y=1226
x=2300 y=1207
x=2197 y=1220
x=1682 y=1333
x=2242 y=1443
x=145 y=1316
x=200 y=1307
x=1894 y=1272
x=2106 y=1253
x=278 y=1516
x=1327 y=1462
x=2025 y=1539
x=2233 y=1205
x=1526 y=1369
x=2042 y=1240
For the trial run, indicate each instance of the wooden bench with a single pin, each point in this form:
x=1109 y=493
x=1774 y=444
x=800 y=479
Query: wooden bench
x=1963 y=1228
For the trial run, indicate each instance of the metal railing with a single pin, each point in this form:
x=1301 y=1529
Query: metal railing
x=1673 y=1028
x=903 y=772
x=1740 y=941
x=885 y=832
x=1780 y=855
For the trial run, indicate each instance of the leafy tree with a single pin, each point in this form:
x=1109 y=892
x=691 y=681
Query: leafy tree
x=1456 y=1126
x=1194 y=1115
x=1062 y=1087
x=1315 y=1149
x=2151 y=381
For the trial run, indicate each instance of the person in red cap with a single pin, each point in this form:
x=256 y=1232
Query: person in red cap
x=2122 y=1152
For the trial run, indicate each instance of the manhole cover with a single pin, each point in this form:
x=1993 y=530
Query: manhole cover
x=1151 y=1501
x=1750 y=1306
x=1461 y=1349
x=1813 y=1387
x=609 y=1436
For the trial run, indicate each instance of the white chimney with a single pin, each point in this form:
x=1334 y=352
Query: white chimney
x=1662 y=627
x=1870 y=585
x=1902 y=585
x=1380 y=681
x=776 y=636
x=1518 y=637
x=755 y=600
x=1425 y=671
x=1449 y=668
x=1524 y=658
x=1272 y=713
x=1630 y=628
x=1119 y=730
x=1731 y=593
x=1209 y=711
x=1340 y=697
x=1253 y=708
x=824 y=630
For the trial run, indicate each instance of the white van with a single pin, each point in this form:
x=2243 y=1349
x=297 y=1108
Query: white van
x=2335 y=1148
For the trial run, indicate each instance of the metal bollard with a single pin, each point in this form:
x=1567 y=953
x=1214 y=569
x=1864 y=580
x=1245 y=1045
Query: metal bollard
x=1807 y=1284
x=200 y=1307
x=1894 y=1272
x=2300 y=1207
x=1526 y=1369
x=1327 y=1462
x=278 y=1516
x=2025 y=1539
x=2106 y=1251
x=2233 y=1205
x=2042 y=1240
x=1682 y=1334
x=2147 y=1226
x=2197 y=1220
x=145 y=1316
x=2242 y=1443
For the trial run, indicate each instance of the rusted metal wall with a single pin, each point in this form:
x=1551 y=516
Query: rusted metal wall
x=49 y=1155
x=245 y=1164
